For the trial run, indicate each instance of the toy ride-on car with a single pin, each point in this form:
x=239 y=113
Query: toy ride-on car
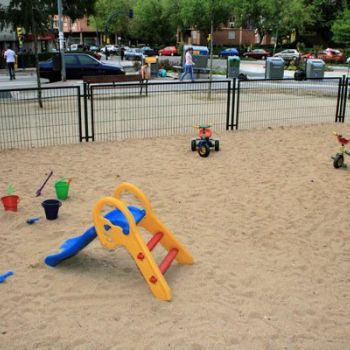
x=204 y=143
x=338 y=159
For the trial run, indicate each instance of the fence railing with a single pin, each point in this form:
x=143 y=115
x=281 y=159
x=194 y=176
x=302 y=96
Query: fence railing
x=114 y=112
x=264 y=103
x=24 y=124
x=124 y=111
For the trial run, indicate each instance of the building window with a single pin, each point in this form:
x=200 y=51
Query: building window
x=231 y=35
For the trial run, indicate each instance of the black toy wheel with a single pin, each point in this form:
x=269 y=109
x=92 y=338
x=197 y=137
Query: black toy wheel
x=204 y=150
x=217 y=145
x=338 y=161
x=193 y=145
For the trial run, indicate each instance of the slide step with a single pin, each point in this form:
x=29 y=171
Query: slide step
x=154 y=240
x=165 y=264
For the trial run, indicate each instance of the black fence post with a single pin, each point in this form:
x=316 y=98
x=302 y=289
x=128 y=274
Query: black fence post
x=341 y=100
x=86 y=96
x=228 y=105
x=237 y=102
x=79 y=115
x=92 y=114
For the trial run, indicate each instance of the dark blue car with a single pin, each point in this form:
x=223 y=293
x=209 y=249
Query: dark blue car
x=229 y=52
x=77 y=66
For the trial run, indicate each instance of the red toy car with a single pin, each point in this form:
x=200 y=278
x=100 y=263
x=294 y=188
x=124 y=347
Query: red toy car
x=338 y=159
x=204 y=142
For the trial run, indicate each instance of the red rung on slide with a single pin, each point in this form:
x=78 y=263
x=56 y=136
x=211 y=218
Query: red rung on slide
x=154 y=240
x=165 y=264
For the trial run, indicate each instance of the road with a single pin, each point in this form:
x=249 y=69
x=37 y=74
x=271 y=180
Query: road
x=254 y=69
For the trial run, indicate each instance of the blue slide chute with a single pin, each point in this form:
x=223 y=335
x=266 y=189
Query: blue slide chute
x=73 y=245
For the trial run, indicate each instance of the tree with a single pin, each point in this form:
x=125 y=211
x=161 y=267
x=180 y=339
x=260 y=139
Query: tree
x=151 y=22
x=324 y=13
x=200 y=14
x=341 y=28
x=35 y=16
x=113 y=16
x=273 y=16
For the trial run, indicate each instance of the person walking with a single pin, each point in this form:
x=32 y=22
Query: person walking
x=188 y=67
x=122 y=53
x=10 y=57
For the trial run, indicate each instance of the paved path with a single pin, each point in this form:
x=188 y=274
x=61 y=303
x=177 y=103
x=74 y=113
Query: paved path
x=253 y=69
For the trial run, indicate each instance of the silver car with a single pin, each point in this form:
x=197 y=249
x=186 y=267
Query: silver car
x=289 y=54
x=133 y=54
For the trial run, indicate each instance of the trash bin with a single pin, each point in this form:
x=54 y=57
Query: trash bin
x=315 y=68
x=56 y=63
x=200 y=55
x=233 y=63
x=274 y=68
x=153 y=62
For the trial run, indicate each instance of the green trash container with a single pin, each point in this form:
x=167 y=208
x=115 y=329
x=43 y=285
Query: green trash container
x=233 y=63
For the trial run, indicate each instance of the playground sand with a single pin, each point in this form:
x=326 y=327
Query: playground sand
x=266 y=219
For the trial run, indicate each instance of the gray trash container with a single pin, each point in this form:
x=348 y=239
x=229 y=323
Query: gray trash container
x=315 y=68
x=233 y=63
x=274 y=68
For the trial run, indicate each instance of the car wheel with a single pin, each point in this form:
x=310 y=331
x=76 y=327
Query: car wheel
x=338 y=161
x=172 y=54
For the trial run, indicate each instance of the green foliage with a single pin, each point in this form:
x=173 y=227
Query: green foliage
x=273 y=17
x=341 y=28
x=26 y=13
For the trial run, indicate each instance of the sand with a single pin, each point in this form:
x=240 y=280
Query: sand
x=266 y=219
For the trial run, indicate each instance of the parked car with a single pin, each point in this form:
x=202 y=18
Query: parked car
x=306 y=56
x=168 y=51
x=133 y=54
x=78 y=65
x=258 y=54
x=147 y=51
x=229 y=52
x=288 y=55
x=93 y=48
x=76 y=47
x=331 y=56
x=111 y=49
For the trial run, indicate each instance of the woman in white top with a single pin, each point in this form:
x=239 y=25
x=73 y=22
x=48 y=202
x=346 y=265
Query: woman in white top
x=188 y=67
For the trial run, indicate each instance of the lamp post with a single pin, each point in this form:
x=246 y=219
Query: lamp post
x=61 y=40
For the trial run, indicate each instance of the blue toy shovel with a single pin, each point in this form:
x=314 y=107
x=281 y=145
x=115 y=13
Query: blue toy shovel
x=5 y=275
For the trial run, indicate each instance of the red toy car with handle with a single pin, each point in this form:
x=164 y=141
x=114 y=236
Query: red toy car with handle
x=338 y=159
x=204 y=143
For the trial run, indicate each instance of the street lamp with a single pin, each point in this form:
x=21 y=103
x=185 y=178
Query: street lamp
x=61 y=40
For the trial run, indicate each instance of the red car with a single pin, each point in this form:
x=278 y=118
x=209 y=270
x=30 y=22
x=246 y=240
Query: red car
x=331 y=56
x=258 y=54
x=168 y=51
x=306 y=56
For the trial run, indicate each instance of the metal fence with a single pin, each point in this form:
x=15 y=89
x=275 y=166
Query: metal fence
x=114 y=112
x=24 y=123
x=169 y=108
x=270 y=103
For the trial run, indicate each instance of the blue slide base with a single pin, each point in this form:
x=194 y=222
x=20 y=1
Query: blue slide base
x=73 y=245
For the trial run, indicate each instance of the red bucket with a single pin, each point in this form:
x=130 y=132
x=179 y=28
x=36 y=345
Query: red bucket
x=10 y=202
